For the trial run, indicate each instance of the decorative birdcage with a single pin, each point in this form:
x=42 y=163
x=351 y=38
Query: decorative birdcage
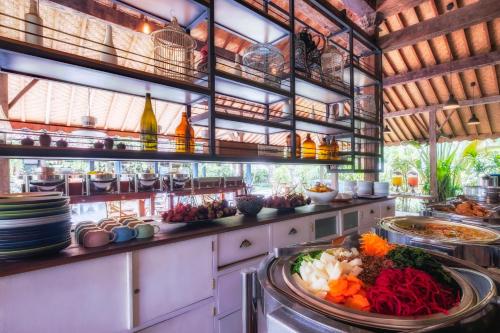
x=364 y=104
x=174 y=52
x=332 y=64
x=264 y=63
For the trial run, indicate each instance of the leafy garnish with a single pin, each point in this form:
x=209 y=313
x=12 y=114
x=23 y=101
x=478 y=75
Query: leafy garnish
x=418 y=258
x=308 y=256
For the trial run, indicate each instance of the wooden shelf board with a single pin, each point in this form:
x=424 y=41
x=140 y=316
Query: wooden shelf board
x=240 y=18
x=315 y=126
x=315 y=91
x=27 y=59
x=240 y=87
x=242 y=124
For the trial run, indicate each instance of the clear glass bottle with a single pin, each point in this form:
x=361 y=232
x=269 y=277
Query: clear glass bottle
x=308 y=148
x=149 y=127
x=184 y=136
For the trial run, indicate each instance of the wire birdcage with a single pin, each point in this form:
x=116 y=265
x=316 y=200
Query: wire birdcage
x=364 y=103
x=332 y=64
x=264 y=63
x=174 y=52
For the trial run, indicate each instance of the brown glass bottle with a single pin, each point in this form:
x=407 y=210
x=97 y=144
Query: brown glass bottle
x=335 y=150
x=184 y=136
x=324 y=150
x=289 y=145
x=308 y=148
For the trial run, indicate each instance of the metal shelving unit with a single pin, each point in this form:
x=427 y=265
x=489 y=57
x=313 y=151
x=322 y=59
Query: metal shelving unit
x=252 y=22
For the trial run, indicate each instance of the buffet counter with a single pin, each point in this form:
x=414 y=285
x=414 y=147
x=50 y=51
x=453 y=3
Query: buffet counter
x=175 y=233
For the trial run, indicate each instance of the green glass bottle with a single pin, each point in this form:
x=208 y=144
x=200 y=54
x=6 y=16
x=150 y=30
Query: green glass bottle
x=149 y=127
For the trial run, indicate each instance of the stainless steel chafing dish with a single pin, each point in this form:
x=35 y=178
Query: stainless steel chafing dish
x=483 y=253
x=270 y=298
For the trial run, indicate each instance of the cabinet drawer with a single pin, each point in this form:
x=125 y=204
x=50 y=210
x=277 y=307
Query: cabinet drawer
x=369 y=217
x=290 y=232
x=349 y=221
x=199 y=320
x=388 y=208
x=238 y=245
x=170 y=277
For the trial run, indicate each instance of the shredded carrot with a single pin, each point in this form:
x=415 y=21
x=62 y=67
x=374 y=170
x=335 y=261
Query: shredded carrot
x=373 y=245
x=348 y=290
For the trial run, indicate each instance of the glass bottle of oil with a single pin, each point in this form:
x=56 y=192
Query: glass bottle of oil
x=334 y=149
x=289 y=145
x=149 y=127
x=184 y=136
x=308 y=148
x=324 y=150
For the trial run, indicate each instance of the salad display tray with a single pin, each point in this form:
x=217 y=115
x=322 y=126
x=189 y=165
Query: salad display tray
x=483 y=252
x=479 y=296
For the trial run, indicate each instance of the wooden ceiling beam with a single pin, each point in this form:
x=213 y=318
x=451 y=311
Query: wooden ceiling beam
x=481 y=11
x=426 y=109
x=393 y=7
x=471 y=137
x=487 y=59
x=23 y=92
x=359 y=7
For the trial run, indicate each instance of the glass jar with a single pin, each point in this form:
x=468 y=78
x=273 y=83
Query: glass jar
x=309 y=148
x=397 y=180
x=412 y=180
x=184 y=136
x=334 y=149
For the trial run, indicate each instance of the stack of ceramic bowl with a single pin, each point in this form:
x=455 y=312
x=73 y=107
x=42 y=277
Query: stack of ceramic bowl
x=365 y=188
x=381 y=188
x=33 y=224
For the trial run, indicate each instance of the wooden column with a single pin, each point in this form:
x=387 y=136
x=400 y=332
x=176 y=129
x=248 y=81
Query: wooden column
x=433 y=154
x=4 y=111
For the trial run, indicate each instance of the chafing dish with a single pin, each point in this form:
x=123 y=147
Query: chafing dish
x=271 y=297
x=102 y=182
x=207 y=182
x=147 y=181
x=482 y=252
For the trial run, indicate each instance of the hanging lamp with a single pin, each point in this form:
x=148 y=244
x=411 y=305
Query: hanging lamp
x=89 y=123
x=473 y=119
x=452 y=102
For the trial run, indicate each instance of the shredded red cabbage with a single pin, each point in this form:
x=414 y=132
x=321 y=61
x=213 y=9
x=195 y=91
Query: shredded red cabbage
x=410 y=292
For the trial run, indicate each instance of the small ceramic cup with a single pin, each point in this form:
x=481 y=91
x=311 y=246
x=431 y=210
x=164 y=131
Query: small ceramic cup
x=146 y=230
x=104 y=221
x=83 y=224
x=97 y=237
x=124 y=233
x=125 y=220
x=81 y=234
x=110 y=226
x=134 y=223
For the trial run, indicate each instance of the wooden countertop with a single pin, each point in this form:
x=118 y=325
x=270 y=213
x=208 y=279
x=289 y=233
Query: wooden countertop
x=171 y=233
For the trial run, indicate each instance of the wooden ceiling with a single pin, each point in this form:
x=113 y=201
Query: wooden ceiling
x=422 y=41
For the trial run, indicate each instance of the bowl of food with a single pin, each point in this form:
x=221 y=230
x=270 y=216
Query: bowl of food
x=286 y=203
x=321 y=194
x=249 y=204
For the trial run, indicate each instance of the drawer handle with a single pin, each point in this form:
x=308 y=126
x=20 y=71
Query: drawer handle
x=136 y=291
x=246 y=243
x=388 y=207
x=292 y=231
x=372 y=211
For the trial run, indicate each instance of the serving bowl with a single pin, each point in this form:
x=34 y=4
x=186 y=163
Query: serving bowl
x=322 y=198
x=249 y=204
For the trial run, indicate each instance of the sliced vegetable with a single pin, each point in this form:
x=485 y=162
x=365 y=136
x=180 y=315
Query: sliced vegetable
x=373 y=245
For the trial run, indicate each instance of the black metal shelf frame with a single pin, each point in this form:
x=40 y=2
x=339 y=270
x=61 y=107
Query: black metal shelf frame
x=28 y=59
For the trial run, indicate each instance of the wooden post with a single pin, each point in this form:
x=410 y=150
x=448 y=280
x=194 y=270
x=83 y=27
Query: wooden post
x=4 y=112
x=433 y=154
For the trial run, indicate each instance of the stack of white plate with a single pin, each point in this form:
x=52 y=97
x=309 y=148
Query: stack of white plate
x=381 y=188
x=33 y=224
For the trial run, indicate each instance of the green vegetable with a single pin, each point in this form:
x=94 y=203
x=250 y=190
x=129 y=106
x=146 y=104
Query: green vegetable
x=308 y=256
x=418 y=258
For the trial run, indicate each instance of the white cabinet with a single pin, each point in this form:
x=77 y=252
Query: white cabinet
x=324 y=226
x=349 y=220
x=230 y=323
x=388 y=208
x=290 y=232
x=229 y=287
x=369 y=216
x=198 y=319
x=242 y=244
x=87 y=296
x=169 y=277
